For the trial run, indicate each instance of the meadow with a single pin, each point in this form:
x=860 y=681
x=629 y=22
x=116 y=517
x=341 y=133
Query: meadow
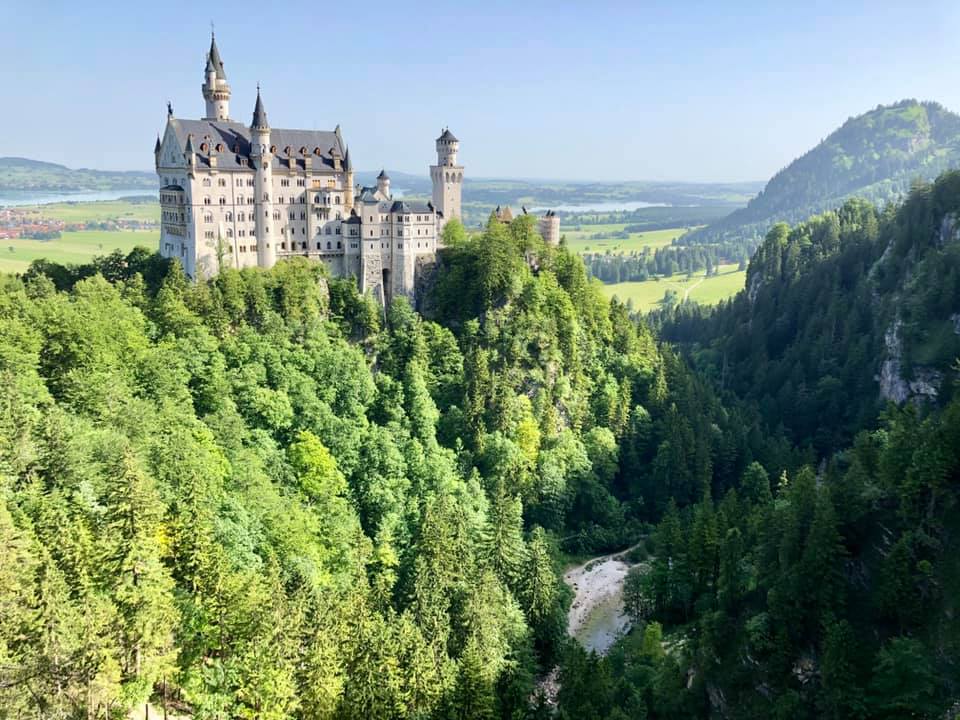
x=648 y=295
x=72 y=247
x=73 y=212
x=581 y=240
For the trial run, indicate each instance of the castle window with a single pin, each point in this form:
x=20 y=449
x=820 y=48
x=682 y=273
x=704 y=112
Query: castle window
x=337 y=200
x=338 y=229
x=303 y=246
x=222 y=182
x=316 y=198
x=339 y=245
x=293 y=216
x=326 y=230
x=206 y=182
x=399 y=246
x=229 y=232
x=283 y=246
x=206 y=201
x=318 y=246
x=223 y=200
x=243 y=248
x=249 y=182
x=328 y=244
x=266 y=197
x=208 y=218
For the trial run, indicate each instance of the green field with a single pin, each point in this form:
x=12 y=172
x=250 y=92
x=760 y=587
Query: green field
x=580 y=240
x=74 y=247
x=71 y=212
x=648 y=295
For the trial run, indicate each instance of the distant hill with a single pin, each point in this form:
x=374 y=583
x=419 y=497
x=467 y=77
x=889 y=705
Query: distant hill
x=25 y=175
x=875 y=156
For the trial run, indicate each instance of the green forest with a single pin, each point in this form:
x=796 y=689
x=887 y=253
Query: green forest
x=264 y=496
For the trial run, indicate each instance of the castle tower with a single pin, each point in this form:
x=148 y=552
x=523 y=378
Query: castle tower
x=262 y=160
x=348 y=181
x=383 y=184
x=447 y=177
x=550 y=228
x=216 y=91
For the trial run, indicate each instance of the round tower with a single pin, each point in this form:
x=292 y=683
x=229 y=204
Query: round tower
x=383 y=184
x=262 y=160
x=447 y=177
x=447 y=147
x=216 y=91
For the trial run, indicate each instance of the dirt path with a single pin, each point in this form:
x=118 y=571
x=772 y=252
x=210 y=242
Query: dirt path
x=596 y=615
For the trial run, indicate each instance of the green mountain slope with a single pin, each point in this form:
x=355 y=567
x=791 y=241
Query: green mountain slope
x=874 y=156
x=24 y=175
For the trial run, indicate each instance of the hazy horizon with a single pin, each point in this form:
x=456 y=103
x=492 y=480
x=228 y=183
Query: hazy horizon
x=616 y=92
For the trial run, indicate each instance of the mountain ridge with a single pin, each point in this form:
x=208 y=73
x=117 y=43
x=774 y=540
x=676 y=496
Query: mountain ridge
x=876 y=155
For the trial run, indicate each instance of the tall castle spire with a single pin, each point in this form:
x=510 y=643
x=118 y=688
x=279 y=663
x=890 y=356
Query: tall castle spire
x=259 y=114
x=216 y=91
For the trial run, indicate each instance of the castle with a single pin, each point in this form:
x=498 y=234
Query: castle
x=239 y=196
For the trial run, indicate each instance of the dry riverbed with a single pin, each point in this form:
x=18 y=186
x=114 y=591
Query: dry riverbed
x=596 y=617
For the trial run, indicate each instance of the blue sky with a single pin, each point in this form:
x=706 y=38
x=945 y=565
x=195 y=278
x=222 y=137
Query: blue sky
x=704 y=91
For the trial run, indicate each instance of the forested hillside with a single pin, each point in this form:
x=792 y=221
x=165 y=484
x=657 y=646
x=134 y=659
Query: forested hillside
x=875 y=156
x=829 y=592
x=254 y=497
x=261 y=496
x=23 y=175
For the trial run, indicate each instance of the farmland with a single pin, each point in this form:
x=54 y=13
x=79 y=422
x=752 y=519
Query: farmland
x=649 y=294
x=72 y=247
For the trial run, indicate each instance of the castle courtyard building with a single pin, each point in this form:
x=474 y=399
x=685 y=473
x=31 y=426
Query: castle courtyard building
x=237 y=195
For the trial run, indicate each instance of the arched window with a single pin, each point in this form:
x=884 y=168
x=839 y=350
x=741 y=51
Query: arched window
x=206 y=182
x=266 y=197
x=223 y=200
x=206 y=201
x=328 y=244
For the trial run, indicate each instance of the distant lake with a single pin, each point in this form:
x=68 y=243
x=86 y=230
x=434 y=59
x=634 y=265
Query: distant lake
x=30 y=197
x=602 y=206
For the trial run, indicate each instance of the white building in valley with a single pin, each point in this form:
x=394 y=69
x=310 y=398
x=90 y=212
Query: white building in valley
x=234 y=195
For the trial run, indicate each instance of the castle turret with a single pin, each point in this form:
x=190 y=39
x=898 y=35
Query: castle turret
x=348 y=181
x=216 y=91
x=550 y=228
x=447 y=177
x=156 y=153
x=261 y=158
x=383 y=184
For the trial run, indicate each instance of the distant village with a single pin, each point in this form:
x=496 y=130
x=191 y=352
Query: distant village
x=29 y=223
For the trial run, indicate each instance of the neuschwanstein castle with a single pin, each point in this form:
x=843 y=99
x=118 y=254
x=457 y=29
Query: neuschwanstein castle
x=239 y=196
